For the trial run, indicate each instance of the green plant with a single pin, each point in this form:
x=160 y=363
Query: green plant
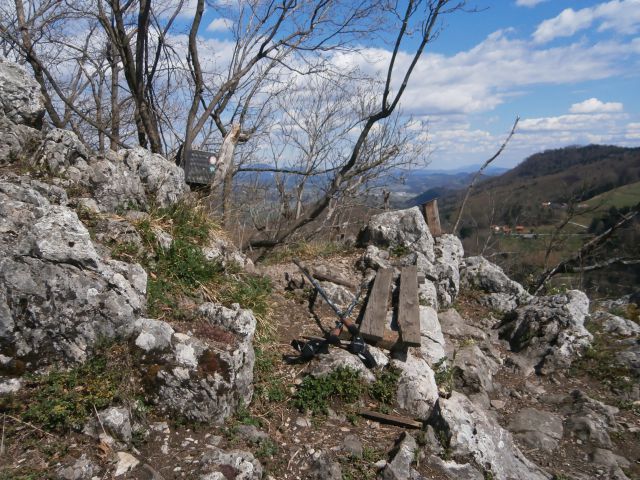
x=62 y=400
x=315 y=393
x=385 y=386
x=243 y=416
x=445 y=373
x=269 y=385
x=399 y=251
x=266 y=449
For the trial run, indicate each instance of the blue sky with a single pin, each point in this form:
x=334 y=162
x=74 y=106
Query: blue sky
x=569 y=69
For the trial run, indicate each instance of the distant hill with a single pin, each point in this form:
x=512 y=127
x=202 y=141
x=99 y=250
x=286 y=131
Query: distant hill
x=559 y=176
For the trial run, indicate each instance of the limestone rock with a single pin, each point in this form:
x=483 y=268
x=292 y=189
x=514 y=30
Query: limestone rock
x=352 y=445
x=589 y=420
x=17 y=142
x=537 y=429
x=163 y=181
x=615 y=325
x=251 y=434
x=457 y=327
x=503 y=294
x=472 y=434
x=21 y=99
x=453 y=470
x=63 y=154
x=417 y=391
x=323 y=468
x=400 y=228
x=82 y=469
x=374 y=258
x=324 y=364
x=448 y=256
x=200 y=378
x=126 y=463
x=549 y=330
x=225 y=252
x=399 y=468
x=474 y=369
x=58 y=297
x=431 y=338
x=116 y=421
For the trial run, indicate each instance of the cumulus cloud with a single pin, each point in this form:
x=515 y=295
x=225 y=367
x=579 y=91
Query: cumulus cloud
x=495 y=70
x=621 y=16
x=220 y=25
x=593 y=105
x=528 y=3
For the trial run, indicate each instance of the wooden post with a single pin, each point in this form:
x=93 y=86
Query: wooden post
x=432 y=217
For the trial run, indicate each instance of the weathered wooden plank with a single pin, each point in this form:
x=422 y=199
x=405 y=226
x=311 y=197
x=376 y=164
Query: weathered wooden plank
x=391 y=419
x=432 y=216
x=373 y=323
x=408 y=308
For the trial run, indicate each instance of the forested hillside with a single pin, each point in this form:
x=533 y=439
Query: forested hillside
x=561 y=176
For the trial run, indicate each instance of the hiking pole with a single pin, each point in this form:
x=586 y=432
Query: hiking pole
x=342 y=314
x=357 y=346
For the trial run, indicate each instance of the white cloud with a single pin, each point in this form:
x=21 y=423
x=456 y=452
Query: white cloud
x=564 y=123
x=495 y=70
x=593 y=105
x=528 y=3
x=633 y=131
x=621 y=16
x=220 y=25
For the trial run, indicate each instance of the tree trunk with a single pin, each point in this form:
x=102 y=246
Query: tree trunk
x=225 y=157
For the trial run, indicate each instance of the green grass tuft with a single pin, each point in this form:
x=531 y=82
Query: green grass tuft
x=315 y=393
x=64 y=400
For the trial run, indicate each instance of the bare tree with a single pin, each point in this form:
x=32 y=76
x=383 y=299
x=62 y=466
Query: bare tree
x=419 y=18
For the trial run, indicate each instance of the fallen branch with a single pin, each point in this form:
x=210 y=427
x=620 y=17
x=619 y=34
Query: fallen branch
x=605 y=264
x=30 y=425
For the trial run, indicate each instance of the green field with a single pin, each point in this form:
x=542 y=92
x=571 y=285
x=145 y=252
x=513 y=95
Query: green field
x=625 y=196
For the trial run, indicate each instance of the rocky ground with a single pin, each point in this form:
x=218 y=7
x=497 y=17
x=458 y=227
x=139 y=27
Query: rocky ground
x=136 y=342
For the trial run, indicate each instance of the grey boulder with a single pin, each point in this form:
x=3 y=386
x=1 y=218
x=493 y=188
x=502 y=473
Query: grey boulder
x=399 y=229
x=549 y=331
x=58 y=297
x=201 y=378
x=537 y=429
x=472 y=434
x=21 y=99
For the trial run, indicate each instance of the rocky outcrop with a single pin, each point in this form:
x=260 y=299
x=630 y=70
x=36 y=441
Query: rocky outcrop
x=21 y=101
x=58 y=297
x=417 y=391
x=537 y=429
x=471 y=434
x=400 y=229
x=448 y=256
x=501 y=293
x=432 y=346
x=201 y=378
x=399 y=468
x=550 y=330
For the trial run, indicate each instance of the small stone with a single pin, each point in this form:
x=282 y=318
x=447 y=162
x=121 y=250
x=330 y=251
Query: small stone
x=353 y=445
x=498 y=404
x=303 y=422
x=126 y=463
x=380 y=464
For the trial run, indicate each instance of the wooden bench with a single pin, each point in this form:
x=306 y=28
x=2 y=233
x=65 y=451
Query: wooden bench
x=373 y=326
